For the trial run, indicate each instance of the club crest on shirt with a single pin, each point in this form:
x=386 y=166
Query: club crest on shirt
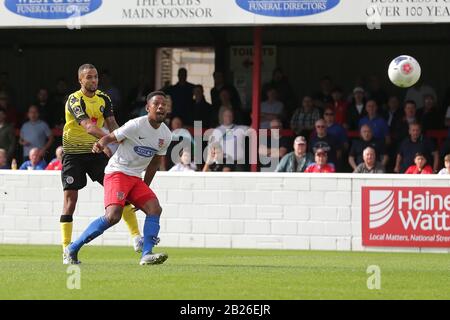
x=160 y=143
x=77 y=111
x=72 y=101
x=120 y=195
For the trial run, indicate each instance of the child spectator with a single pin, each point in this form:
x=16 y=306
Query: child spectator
x=420 y=166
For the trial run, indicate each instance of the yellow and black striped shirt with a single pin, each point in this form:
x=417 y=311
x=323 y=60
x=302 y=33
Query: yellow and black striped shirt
x=80 y=107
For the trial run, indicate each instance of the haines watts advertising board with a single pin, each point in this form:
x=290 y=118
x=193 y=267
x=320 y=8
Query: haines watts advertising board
x=405 y=217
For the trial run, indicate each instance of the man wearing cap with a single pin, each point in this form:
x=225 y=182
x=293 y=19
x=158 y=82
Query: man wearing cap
x=297 y=160
x=356 y=111
x=321 y=165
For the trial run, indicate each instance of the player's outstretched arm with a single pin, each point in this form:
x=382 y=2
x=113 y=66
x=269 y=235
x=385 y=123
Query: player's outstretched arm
x=101 y=144
x=91 y=128
x=152 y=168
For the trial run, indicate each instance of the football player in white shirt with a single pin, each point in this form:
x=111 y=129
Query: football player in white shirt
x=143 y=145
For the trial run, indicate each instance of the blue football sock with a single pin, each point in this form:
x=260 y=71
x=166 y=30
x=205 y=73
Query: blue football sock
x=151 y=230
x=96 y=228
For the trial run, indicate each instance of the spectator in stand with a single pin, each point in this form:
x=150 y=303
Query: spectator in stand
x=35 y=133
x=271 y=109
x=376 y=92
x=410 y=116
x=4 y=160
x=219 y=84
x=185 y=164
x=356 y=111
x=106 y=84
x=58 y=101
x=356 y=154
x=56 y=163
x=417 y=94
x=446 y=169
x=420 y=166
x=7 y=135
x=334 y=128
x=321 y=164
x=12 y=116
x=182 y=98
x=380 y=129
x=136 y=100
x=340 y=106
x=370 y=164
x=304 y=117
x=322 y=140
x=323 y=98
x=416 y=143
x=232 y=138
x=36 y=162
x=216 y=161
x=297 y=160
x=393 y=113
x=227 y=103
x=181 y=139
x=203 y=111
x=430 y=117
x=281 y=83
x=284 y=142
x=46 y=109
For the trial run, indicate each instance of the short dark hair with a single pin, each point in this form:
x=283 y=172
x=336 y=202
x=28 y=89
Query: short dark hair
x=155 y=93
x=410 y=102
x=85 y=66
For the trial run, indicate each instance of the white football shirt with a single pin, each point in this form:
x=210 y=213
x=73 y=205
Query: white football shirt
x=139 y=143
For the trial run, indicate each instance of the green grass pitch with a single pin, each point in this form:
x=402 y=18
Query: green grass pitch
x=36 y=272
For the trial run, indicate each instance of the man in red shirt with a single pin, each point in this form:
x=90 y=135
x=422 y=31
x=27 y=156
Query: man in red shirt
x=321 y=165
x=56 y=164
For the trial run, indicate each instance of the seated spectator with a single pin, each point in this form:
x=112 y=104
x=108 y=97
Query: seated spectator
x=335 y=129
x=370 y=164
x=273 y=147
x=356 y=157
x=7 y=135
x=219 y=84
x=304 y=117
x=356 y=110
x=376 y=92
x=339 y=106
x=281 y=83
x=56 y=163
x=380 y=129
x=446 y=169
x=271 y=109
x=401 y=131
x=3 y=159
x=420 y=166
x=46 y=109
x=323 y=98
x=393 y=113
x=35 y=163
x=185 y=163
x=321 y=139
x=297 y=160
x=35 y=133
x=430 y=117
x=416 y=143
x=417 y=92
x=216 y=160
x=180 y=135
x=232 y=139
x=321 y=165
x=203 y=111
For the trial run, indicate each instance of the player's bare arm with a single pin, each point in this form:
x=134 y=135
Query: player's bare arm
x=92 y=128
x=101 y=144
x=152 y=168
x=111 y=123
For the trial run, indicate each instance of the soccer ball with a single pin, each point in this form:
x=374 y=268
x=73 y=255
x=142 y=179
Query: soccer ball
x=404 y=71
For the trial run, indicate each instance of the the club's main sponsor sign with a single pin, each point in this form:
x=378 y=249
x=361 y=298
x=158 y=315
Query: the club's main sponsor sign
x=405 y=216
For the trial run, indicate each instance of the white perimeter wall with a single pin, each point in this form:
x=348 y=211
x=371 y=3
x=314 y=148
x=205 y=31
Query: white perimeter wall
x=215 y=210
